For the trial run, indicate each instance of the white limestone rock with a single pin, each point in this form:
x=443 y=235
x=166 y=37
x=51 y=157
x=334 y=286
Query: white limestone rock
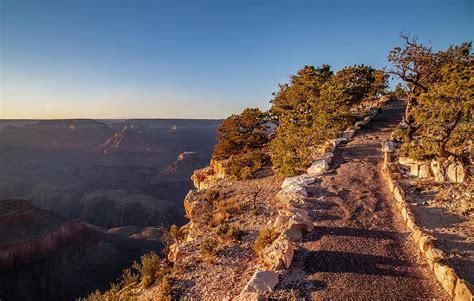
x=261 y=282
x=301 y=180
x=318 y=167
x=279 y=254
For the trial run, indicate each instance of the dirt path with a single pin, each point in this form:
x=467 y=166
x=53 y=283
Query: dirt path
x=360 y=249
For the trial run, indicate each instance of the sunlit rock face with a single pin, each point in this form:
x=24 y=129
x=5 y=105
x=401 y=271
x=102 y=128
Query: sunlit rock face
x=209 y=176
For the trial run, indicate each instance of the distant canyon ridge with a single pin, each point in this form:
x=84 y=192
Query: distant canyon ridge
x=121 y=178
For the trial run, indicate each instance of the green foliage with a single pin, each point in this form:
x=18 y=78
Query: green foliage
x=265 y=238
x=420 y=68
x=230 y=232
x=443 y=115
x=315 y=107
x=241 y=140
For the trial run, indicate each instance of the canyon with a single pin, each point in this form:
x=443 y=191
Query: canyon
x=82 y=199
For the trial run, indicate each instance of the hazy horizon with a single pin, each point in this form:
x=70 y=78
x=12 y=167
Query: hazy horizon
x=193 y=60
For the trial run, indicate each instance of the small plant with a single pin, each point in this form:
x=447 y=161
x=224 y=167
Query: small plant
x=208 y=248
x=177 y=233
x=264 y=239
x=146 y=281
x=166 y=289
x=128 y=277
x=227 y=231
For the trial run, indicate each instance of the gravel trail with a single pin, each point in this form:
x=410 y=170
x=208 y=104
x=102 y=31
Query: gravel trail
x=360 y=249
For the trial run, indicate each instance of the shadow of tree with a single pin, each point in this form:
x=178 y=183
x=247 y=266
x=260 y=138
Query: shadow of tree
x=345 y=262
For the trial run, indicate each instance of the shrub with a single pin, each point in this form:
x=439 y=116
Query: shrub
x=265 y=238
x=128 y=277
x=227 y=231
x=146 y=281
x=177 y=233
x=208 y=248
x=315 y=107
x=245 y=165
x=150 y=265
x=241 y=139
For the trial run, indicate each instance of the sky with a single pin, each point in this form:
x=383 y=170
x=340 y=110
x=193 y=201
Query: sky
x=194 y=59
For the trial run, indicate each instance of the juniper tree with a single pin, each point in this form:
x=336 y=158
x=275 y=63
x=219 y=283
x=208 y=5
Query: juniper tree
x=241 y=140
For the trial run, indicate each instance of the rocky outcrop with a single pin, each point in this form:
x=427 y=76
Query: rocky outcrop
x=196 y=206
x=209 y=176
x=442 y=169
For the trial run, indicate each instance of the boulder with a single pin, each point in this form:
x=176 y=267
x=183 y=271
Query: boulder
x=261 y=282
x=463 y=291
x=337 y=141
x=328 y=156
x=328 y=147
x=318 y=167
x=406 y=161
x=209 y=176
x=399 y=193
x=446 y=277
x=279 y=254
x=434 y=254
x=455 y=173
x=438 y=171
x=292 y=196
x=414 y=170
x=424 y=171
x=300 y=222
x=281 y=222
x=301 y=180
x=195 y=205
x=348 y=134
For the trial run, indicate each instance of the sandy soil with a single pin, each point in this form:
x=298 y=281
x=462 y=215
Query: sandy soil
x=360 y=249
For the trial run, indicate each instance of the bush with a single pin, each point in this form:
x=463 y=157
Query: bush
x=146 y=281
x=245 y=165
x=314 y=108
x=227 y=231
x=150 y=265
x=177 y=233
x=242 y=139
x=128 y=277
x=265 y=238
x=208 y=248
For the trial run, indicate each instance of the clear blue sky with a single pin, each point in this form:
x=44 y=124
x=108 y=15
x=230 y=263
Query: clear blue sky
x=194 y=59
